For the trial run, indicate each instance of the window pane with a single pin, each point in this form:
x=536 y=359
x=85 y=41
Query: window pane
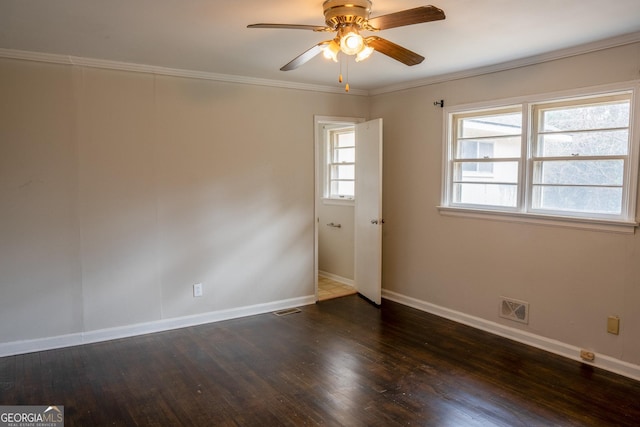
x=344 y=155
x=345 y=139
x=579 y=172
x=485 y=149
x=596 y=116
x=485 y=168
x=340 y=179
x=497 y=147
x=597 y=200
x=598 y=143
x=504 y=195
x=486 y=172
x=468 y=150
x=342 y=188
x=343 y=172
x=491 y=125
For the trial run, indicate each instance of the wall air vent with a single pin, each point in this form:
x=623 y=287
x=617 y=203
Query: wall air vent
x=514 y=310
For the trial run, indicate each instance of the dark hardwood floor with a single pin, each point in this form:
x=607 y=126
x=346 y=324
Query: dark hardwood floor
x=340 y=362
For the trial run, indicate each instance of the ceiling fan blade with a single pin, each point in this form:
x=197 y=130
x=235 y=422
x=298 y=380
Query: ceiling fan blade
x=291 y=27
x=417 y=15
x=306 y=56
x=394 y=51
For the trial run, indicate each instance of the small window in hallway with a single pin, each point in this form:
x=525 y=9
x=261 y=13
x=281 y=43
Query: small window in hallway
x=341 y=158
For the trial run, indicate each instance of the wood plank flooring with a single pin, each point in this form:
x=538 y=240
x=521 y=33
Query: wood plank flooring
x=340 y=362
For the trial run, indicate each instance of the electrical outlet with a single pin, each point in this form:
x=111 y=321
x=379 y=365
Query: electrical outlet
x=587 y=355
x=197 y=290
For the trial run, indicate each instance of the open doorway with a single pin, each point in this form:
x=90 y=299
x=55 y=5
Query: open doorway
x=360 y=219
x=335 y=206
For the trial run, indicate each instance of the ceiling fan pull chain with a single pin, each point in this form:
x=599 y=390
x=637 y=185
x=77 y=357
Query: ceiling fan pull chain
x=346 y=88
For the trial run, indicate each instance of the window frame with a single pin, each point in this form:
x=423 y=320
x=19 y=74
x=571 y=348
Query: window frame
x=453 y=138
x=331 y=139
x=626 y=222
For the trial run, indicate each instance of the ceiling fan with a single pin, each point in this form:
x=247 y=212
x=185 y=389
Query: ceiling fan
x=347 y=18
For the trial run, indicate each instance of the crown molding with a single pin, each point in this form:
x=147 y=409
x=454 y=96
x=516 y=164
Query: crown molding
x=177 y=72
x=518 y=63
x=174 y=72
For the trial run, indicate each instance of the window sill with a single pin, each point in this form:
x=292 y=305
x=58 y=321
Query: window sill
x=554 y=221
x=338 y=202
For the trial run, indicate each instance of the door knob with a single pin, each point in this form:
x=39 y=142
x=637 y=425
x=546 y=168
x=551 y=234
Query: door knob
x=374 y=221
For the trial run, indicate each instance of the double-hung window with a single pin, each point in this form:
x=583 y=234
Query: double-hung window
x=580 y=151
x=341 y=157
x=563 y=159
x=486 y=158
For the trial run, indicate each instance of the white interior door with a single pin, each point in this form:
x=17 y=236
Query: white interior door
x=368 y=210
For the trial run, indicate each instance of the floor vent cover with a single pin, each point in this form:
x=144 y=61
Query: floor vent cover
x=287 y=311
x=514 y=310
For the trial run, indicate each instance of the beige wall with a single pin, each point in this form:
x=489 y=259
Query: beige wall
x=572 y=279
x=121 y=190
x=40 y=267
x=336 y=245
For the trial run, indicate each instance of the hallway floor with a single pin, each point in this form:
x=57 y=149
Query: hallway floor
x=328 y=289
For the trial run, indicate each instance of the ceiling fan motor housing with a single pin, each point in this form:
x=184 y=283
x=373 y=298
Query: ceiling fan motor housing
x=342 y=12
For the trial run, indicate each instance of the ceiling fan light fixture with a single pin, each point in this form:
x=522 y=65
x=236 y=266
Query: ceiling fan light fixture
x=331 y=50
x=364 y=53
x=347 y=18
x=351 y=42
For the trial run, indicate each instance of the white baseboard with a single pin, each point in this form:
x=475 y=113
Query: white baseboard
x=50 y=343
x=569 y=351
x=553 y=346
x=337 y=278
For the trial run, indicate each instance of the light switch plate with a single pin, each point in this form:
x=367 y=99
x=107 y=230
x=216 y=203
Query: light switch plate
x=613 y=325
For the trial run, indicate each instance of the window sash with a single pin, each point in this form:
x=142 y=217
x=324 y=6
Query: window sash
x=340 y=153
x=502 y=184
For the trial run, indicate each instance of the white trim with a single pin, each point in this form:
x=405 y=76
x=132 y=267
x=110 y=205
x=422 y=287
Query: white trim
x=336 y=278
x=557 y=347
x=551 y=220
x=582 y=92
x=518 y=63
x=338 y=202
x=80 y=338
x=318 y=190
x=175 y=72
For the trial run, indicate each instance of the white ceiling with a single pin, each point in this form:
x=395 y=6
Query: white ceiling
x=211 y=35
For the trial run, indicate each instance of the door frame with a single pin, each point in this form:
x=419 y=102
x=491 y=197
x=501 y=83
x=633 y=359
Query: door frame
x=318 y=140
